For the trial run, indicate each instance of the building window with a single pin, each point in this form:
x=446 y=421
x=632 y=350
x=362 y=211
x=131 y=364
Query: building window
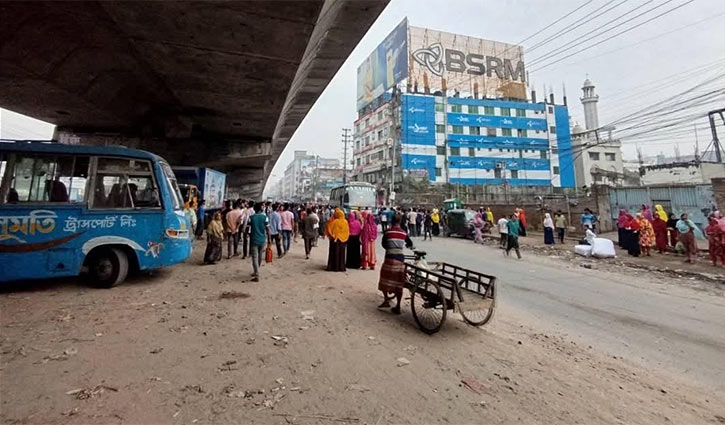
x=594 y=156
x=471 y=152
x=610 y=156
x=489 y=110
x=506 y=132
x=522 y=133
x=491 y=132
x=357 y=144
x=358 y=162
x=554 y=151
x=521 y=112
x=440 y=150
x=514 y=174
x=457 y=108
x=490 y=149
x=544 y=155
x=380 y=115
x=551 y=109
x=438 y=172
x=457 y=129
x=497 y=173
x=440 y=128
x=439 y=107
x=556 y=170
x=367 y=122
x=552 y=129
x=474 y=130
x=380 y=134
x=472 y=109
x=455 y=151
x=506 y=112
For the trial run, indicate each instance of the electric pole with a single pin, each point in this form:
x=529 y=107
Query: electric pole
x=345 y=141
x=715 y=139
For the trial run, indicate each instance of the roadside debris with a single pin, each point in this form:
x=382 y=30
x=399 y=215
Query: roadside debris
x=402 y=361
x=230 y=295
x=308 y=314
x=86 y=393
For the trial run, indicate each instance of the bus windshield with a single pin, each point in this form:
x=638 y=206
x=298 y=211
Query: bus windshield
x=173 y=186
x=361 y=196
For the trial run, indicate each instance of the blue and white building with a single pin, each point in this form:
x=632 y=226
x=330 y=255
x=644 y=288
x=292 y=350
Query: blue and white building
x=486 y=141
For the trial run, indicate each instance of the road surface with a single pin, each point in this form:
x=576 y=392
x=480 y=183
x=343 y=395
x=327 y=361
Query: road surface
x=657 y=324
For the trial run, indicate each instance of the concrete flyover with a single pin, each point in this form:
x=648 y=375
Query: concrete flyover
x=219 y=84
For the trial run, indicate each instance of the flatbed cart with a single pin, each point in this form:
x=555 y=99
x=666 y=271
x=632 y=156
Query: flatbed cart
x=438 y=287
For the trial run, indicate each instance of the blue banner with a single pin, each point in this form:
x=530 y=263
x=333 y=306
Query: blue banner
x=499 y=182
x=496 y=121
x=420 y=162
x=418 y=120
x=483 y=142
x=566 y=156
x=497 y=103
x=489 y=163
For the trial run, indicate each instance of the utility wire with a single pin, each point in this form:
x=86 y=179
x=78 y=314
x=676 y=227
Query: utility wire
x=615 y=35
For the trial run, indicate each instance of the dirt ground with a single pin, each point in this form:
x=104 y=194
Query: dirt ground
x=203 y=344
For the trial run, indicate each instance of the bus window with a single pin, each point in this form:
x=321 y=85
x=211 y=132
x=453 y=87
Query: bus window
x=173 y=186
x=124 y=183
x=39 y=178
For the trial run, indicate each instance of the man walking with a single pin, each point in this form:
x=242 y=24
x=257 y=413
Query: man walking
x=560 y=224
x=201 y=219
x=275 y=228
x=259 y=233
x=503 y=230
x=513 y=238
x=384 y=219
x=288 y=225
x=233 y=220
x=412 y=217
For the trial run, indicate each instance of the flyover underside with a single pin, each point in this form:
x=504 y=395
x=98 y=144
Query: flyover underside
x=221 y=84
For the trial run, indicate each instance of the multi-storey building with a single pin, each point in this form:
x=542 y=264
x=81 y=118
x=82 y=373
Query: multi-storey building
x=466 y=141
x=310 y=177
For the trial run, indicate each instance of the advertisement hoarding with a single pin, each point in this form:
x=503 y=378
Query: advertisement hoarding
x=418 y=120
x=441 y=60
x=385 y=67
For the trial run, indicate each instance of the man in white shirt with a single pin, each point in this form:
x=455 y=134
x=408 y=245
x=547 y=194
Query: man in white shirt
x=504 y=231
x=412 y=216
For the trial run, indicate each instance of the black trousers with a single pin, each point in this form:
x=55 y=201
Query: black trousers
x=278 y=243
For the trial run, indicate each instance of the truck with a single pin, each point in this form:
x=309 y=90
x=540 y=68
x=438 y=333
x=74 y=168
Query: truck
x=197 y=183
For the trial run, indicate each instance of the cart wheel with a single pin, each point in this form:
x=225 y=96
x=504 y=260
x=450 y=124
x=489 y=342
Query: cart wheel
x=478 y=311
x=428 y=305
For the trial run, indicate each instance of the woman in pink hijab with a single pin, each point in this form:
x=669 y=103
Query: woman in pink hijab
x=367 y=236
x=647 y=213
x=353 y=243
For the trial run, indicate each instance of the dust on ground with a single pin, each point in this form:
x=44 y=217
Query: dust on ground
x=204 y=344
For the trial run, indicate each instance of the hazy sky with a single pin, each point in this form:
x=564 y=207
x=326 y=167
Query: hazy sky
x=635 y=70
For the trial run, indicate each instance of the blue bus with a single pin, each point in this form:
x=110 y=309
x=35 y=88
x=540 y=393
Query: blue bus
x=101 y=210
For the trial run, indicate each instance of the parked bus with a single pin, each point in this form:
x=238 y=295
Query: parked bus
x=354 y=196
x=104 y=210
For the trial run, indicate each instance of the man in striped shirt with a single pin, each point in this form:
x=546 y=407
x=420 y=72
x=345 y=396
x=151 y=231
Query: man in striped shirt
x=392 y=273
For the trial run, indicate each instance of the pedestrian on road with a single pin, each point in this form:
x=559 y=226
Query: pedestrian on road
x=201 y=219
x=631 y=238
x=419 y=222
x=288 y=226
x=478 y=227
x=275 y=228
x=428 y=226
x=246 y=230
x=353 y=242
x=660 y=228
x=338 y=232
x=660 y=212
x=672 y=230
x=513 y=236
x=412 y=217
x=392 y=273
x=384 y=219
x=259 y=232
x=309 y=230
x=560 y=222
x=622 y=222
x=522 y=223
x=647 y=213
x=503 y=230
x=368 y=235
x=233 y=221
x=589 y=220
x=646 y=234
x=715 y=232
x=191 y=216
x=489 y=216
x=214 y=236
x=548 y=229
x=435 y=217
x=687 y=229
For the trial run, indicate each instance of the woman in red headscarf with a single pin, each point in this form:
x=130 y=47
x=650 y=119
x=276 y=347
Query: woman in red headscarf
x=716 y=239
x=632 y=236
x=367 y=236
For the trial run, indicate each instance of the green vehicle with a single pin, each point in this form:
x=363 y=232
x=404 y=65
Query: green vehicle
x=460 y=222
x=452 y=204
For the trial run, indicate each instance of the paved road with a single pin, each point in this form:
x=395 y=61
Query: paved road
x=661 y=326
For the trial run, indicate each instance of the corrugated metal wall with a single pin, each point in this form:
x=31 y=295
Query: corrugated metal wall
x=695 y=200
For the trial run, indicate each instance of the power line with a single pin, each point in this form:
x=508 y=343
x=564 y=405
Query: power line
x=615 y=35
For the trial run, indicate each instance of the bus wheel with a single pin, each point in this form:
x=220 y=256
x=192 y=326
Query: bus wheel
x=108 y=267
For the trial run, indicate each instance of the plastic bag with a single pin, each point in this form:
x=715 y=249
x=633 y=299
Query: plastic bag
x=269 y=254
